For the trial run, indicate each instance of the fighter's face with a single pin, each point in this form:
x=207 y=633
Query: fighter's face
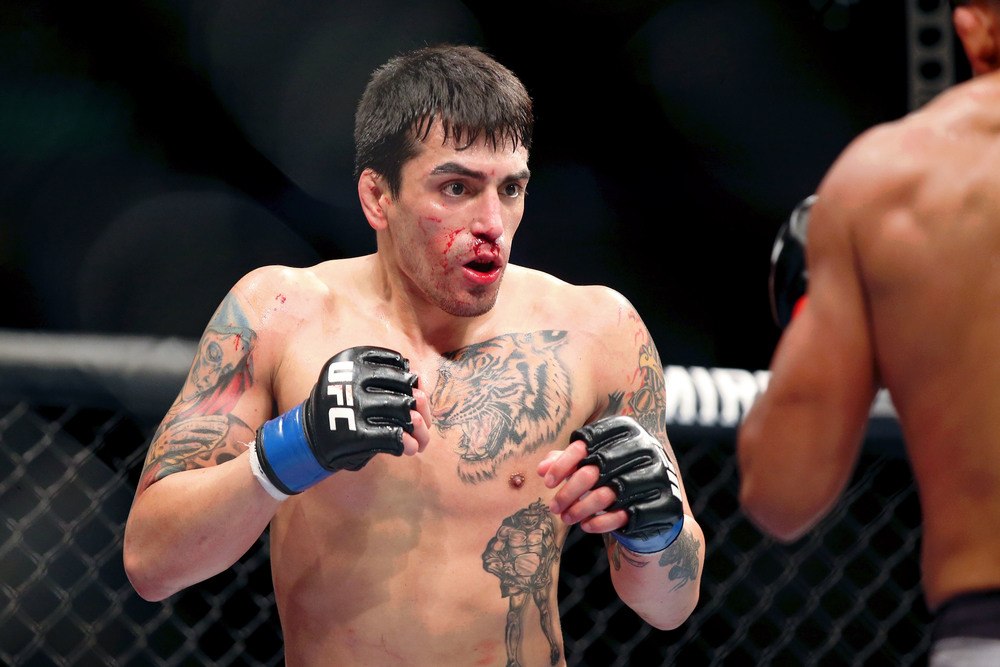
x=454 y=219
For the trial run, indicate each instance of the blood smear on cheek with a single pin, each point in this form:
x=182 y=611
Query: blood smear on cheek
x=451 y=239
x=428 y=220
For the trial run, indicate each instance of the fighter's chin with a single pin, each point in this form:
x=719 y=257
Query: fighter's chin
x=472 y=307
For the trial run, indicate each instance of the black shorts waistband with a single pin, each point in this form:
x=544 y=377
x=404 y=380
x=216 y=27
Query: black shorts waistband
x=969 y=615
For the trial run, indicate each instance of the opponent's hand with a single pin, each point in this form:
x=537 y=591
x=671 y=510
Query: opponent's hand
x=789 y=278
x=364 y=403
x=617 y=478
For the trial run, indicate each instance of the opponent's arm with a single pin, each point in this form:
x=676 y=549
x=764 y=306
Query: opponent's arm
x=620 y=478
x=798 y=445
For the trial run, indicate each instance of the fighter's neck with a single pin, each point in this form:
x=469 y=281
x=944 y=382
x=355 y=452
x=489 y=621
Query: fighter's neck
x=426 y=327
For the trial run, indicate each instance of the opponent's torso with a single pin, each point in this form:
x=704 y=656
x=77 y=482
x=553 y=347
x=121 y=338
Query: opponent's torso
x=450 y=556
x=932 y=274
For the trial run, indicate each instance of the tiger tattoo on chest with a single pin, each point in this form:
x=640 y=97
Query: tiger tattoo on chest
x=506 y=396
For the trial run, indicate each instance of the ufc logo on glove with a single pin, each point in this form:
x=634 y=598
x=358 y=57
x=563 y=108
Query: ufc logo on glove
x=340 y=379
x=369 y=390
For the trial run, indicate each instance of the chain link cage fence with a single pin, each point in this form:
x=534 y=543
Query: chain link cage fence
x=76 y=415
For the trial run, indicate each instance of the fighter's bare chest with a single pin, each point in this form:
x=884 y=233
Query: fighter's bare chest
x=496 y=406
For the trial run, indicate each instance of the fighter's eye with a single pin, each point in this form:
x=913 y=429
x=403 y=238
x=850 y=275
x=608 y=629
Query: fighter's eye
x=513 y=190
x=455 y=189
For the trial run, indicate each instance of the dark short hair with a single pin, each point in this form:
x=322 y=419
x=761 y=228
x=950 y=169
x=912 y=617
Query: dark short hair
x=461 y=87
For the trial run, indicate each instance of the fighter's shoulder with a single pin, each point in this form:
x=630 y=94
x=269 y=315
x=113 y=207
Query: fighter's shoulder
x=563 y=299
x=886 y=162
x=869 y=167
x=599 y=318
x=270 y=289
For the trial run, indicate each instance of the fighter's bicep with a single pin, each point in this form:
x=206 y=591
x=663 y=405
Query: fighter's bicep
x=221 y=402
x=817 y=407
x=837 y=309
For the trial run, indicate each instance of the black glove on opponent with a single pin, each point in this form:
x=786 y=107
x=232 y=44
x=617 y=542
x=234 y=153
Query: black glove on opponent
x=789 y=277
x=634 y=465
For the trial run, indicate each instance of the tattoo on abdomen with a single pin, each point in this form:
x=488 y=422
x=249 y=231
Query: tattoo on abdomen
x=508 y=395
x=198 y=430
x=522 y=555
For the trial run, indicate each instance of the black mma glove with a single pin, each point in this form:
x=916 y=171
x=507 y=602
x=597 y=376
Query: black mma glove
x=634 y=465
x=359 y=407
x=789 y=278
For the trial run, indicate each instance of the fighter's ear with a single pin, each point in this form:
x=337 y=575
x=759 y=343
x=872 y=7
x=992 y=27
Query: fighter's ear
x=374 y=195
x=978 y=28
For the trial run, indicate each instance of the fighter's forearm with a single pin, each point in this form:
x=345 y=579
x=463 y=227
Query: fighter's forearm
x=663 y=587
x=794 y=462
x=192 y=525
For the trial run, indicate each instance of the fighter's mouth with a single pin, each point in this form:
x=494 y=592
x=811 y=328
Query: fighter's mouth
x=482 y=266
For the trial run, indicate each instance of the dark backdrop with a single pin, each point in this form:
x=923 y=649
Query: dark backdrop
x=153 y=151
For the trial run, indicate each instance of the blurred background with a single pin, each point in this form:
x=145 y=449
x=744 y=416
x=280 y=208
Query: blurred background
x=153 y=151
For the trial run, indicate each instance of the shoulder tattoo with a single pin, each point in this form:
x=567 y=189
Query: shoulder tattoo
x=199 y=430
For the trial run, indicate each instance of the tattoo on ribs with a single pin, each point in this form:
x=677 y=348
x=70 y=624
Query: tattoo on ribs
x=198 y=430
x=508 y=395
x=522 y=555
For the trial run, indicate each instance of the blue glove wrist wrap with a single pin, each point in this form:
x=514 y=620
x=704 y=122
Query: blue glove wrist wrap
x=288 y=453
x=652 y=544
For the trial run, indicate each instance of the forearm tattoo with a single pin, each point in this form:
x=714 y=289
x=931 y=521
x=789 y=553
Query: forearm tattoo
x=644 y=399
x=508 y=395
x=199 y=430
x=522 y=555
x=681 y=558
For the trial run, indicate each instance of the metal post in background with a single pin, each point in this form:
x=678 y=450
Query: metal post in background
x=931 y=56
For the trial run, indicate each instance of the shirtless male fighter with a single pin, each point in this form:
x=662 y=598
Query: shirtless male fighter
x=903 y=257
x=421 y=427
